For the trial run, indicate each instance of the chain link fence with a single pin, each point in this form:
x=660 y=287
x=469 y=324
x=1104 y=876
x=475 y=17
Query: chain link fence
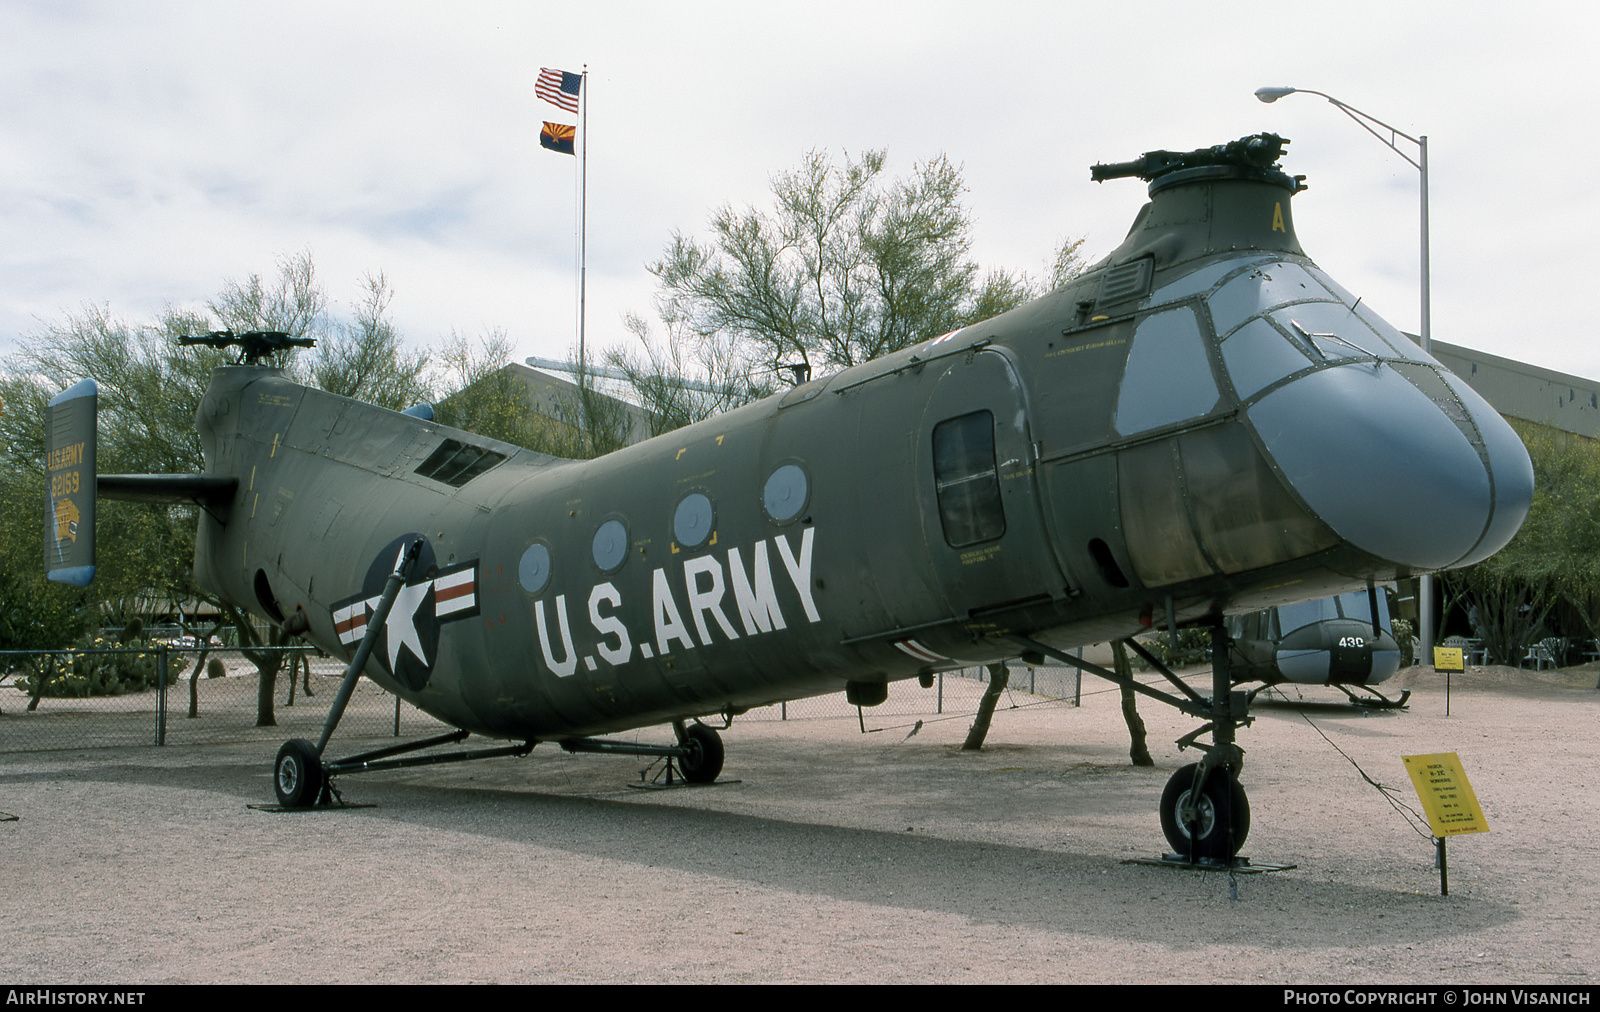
x=953 y=693
x=212 y=695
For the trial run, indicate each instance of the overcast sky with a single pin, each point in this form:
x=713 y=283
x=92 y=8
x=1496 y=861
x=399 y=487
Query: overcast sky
x=149 y=151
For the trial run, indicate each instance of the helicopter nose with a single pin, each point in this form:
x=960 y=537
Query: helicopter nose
x=1403 y=461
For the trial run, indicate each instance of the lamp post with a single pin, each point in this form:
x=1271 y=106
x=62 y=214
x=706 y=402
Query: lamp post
x=1420 y=163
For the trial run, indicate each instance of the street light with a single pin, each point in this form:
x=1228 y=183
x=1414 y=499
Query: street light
x=1420 y=163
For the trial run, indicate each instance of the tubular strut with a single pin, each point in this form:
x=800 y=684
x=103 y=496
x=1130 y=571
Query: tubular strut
x=1195 y=705
x=380 y=614
x=612 y=746
x=1225 y=711
x=379 y=759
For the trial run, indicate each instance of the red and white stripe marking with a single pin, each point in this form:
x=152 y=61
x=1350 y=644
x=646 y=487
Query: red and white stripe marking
x=455 y=592
x=452 y=593
x=922 y=653
x=350 y=622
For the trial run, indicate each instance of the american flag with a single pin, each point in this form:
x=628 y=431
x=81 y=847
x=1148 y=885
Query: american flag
x=559 y=88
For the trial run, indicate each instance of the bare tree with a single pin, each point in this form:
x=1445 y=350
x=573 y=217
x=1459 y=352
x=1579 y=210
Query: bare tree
x=1138 y=752
x=490 y=398
x=844 y=268
x=999 y=678
x=150 y=388
x=365 y=358
x=680 y=382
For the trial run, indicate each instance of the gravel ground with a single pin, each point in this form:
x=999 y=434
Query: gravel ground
x=829 y=855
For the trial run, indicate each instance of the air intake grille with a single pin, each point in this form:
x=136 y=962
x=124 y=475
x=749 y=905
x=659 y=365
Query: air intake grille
x=1126 y=281
x=456 y=463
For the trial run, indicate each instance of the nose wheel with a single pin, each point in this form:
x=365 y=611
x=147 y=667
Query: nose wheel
x=1204 y=812
x=1208 y=824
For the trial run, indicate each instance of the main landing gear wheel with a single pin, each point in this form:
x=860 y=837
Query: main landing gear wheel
x=1212 y=838
x=704 y=760
x=297 y=776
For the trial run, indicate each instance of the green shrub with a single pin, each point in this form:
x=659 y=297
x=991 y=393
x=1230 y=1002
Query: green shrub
x=1401 y=628
x=78 y=675
x=1194 y=647
x=38 y=614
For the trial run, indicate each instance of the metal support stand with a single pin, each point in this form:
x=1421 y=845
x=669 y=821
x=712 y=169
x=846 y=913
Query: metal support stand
x=1224 y=757
x=367 y=762
x=380 y=615
x=161 y=694
x=301 y=777
x=1186 y=804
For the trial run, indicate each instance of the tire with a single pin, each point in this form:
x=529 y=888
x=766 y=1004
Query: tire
x=704 y=760
x=1221 y=794
x=297 y=776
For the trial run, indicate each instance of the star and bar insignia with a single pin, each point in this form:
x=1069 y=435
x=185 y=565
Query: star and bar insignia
x=408 y=646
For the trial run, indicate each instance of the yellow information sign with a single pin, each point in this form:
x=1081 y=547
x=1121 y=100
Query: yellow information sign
x=1445 y=794
x=1449 y=659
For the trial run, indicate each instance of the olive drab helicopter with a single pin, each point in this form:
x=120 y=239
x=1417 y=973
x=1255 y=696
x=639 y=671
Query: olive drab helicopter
x=1196 y=427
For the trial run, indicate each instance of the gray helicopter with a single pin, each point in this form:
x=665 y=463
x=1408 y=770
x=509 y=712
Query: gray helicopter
x=1346 y=641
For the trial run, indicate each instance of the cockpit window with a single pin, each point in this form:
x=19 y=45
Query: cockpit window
x=1332 y=331
x=1402 y=346
x=1193 y=283
x=1258 y=290
x=1289 y=294
x=1356 y=604
x=1168 y=378
x=1258 y=355
x=1304 y=613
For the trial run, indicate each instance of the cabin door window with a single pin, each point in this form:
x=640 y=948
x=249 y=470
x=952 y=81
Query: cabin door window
x=967 y=480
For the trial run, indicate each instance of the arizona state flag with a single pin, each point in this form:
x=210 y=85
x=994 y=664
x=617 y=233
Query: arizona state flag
x=558 y=137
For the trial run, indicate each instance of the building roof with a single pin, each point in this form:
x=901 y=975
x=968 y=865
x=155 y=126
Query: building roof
x=555 y=396
x=1527 y=392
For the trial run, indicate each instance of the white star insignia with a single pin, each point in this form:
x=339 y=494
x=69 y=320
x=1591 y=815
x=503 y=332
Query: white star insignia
x=401 y=627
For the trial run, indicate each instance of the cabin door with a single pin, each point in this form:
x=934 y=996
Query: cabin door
x=979 y=492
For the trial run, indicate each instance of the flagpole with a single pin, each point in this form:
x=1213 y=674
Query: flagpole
x=583 y=252
x=559 y=89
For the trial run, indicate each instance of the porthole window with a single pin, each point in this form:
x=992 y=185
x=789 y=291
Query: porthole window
x=611 y=546
x=785 y=493
x=533 y=572
x=692 y=523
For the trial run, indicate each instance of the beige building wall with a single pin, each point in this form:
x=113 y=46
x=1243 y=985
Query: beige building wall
x=1525 y=392
x=556 y=397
